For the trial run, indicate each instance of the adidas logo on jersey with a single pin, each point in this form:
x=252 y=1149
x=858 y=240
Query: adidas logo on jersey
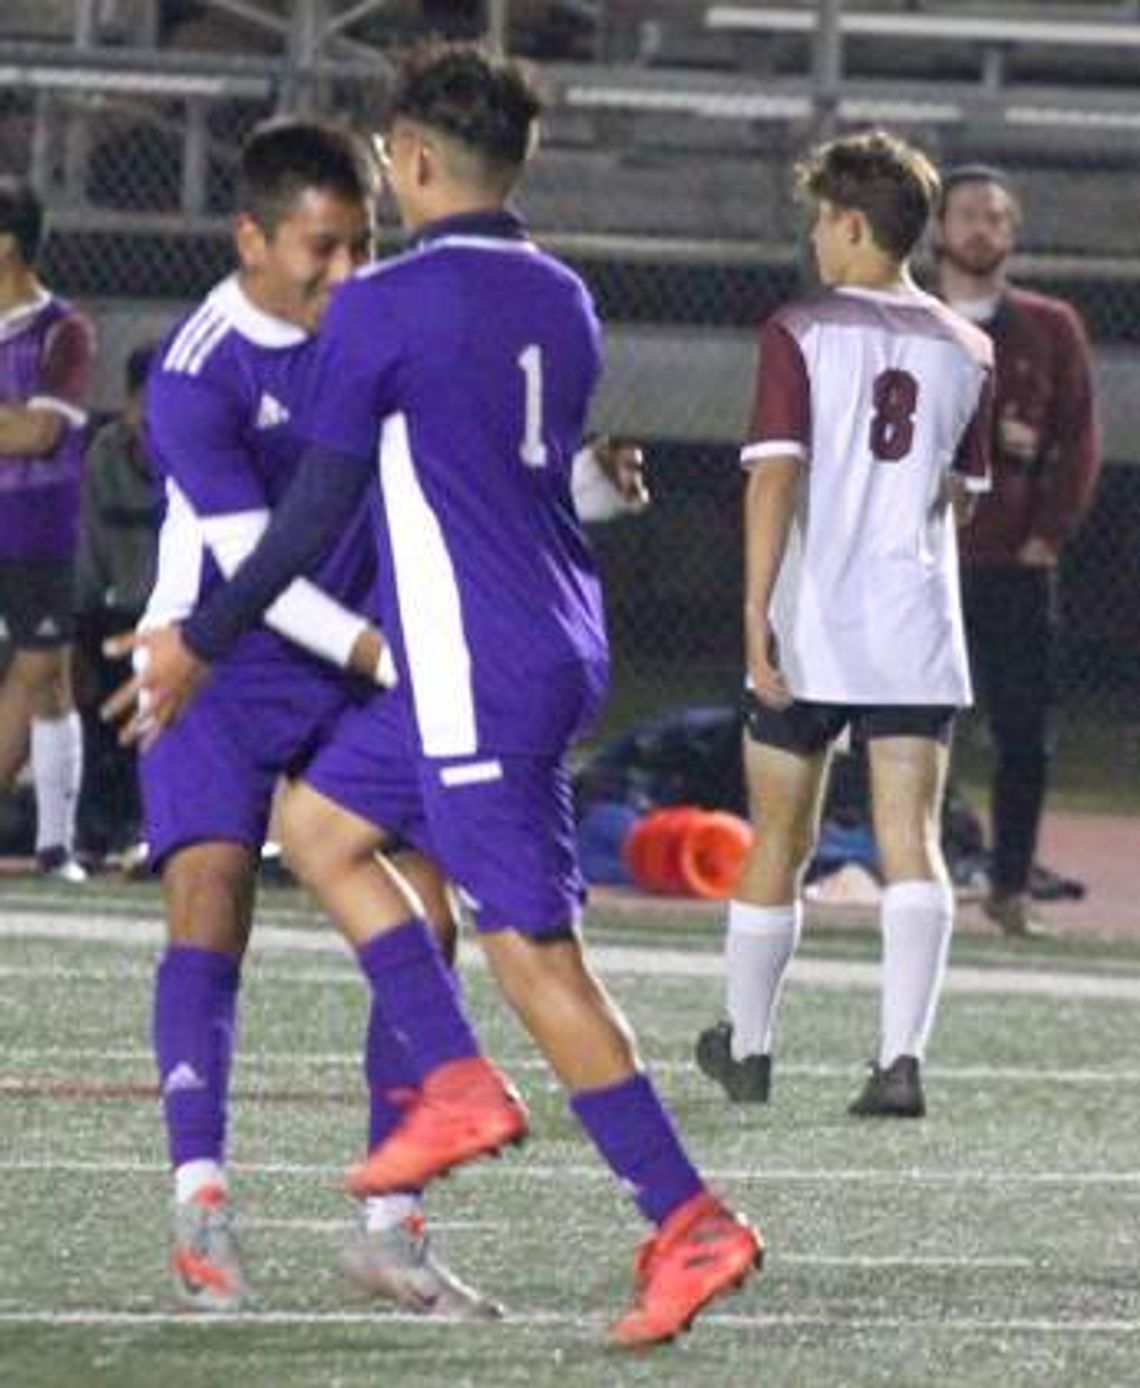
x=48 y=627
x=271 y=413
x=183 y=1076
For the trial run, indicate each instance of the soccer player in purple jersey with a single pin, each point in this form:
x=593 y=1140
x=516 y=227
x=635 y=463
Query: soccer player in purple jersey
x=46 y=352
x=464 y=370
x=221 y=417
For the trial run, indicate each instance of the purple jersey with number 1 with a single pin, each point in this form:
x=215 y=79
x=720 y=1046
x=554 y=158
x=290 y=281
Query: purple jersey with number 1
x=465 y=367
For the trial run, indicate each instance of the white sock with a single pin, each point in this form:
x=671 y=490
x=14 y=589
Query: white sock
x=917 y=920
x=57 y=771
x=386 y=1211
x=193 y=1176
x=758 y=949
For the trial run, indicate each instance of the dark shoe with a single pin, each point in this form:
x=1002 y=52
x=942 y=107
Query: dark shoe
x=62 y=865
x=895 y=1092
x=1010 y=913
x=746 y=1081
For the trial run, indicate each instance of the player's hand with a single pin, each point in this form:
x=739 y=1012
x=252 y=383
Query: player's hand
x=768 y=683
x=624 y=465
x=371 y=658
x=1018 y=439
x=167 y=677
x=1037 y=553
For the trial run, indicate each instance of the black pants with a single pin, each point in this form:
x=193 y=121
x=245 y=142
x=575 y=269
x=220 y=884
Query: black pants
x=1010 y=624
x=110 y=808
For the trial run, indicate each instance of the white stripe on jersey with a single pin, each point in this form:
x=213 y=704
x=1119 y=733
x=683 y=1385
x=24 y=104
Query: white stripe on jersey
x=472 y=773
x=473 y=243
x=428 y=595
x=178 y=574
x=188 y=336
x=203 y=349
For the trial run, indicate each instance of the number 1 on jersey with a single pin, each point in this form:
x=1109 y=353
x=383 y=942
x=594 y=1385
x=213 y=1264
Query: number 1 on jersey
x=532 y=450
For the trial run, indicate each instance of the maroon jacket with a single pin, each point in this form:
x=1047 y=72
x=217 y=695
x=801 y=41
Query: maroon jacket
x=1046 y=454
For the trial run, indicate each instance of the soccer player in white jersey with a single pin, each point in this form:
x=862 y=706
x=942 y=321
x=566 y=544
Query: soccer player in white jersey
x=871 y=427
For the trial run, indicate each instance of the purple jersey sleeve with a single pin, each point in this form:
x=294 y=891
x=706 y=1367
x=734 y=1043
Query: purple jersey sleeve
x=197 y=432
x=351 y=386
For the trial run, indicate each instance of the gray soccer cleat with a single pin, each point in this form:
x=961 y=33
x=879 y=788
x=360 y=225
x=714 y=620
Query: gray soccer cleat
x=206 y=1260
x=892 y=1092
x=399 y=1265
x=747 y=1081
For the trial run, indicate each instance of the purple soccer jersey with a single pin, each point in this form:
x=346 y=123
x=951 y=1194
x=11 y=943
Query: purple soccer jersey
x=221 y=405
x=46 y=351
x=488 y=593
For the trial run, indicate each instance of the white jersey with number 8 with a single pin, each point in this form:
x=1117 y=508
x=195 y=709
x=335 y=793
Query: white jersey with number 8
x=881 y=396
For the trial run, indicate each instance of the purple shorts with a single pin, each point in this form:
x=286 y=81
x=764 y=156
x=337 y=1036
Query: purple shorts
x=501 y=827
x=211 y=777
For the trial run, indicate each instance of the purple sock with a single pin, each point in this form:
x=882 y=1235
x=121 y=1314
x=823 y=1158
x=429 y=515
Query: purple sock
x=632 y=1129
x=388 y=1072
x=195 y=1012
x=417 y=995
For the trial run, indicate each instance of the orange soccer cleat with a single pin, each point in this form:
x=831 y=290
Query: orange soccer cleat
x=701 y=1251
x=466 y=1109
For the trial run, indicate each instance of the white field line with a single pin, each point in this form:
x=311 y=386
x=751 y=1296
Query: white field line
x=519 y=1171
x=955 y=1325
x=613 y=959
x=250 y=1062
x=336 y=1228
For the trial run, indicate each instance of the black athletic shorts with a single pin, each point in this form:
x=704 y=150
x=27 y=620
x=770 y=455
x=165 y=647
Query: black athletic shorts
x=808 y=728
x=37 y=603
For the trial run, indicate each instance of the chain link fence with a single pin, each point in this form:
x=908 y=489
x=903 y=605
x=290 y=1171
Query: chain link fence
x=671 y=194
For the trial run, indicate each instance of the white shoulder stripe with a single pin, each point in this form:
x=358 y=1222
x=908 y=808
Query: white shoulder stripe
x=206 y=345
x=475 y=243
x=188 y=334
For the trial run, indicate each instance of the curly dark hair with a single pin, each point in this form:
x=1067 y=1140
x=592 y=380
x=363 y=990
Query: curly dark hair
x=487 y=104
x=892 y=183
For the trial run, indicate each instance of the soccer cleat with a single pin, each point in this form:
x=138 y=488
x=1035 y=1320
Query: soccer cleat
x=1009 y=911
x=893 y=1092
x=206 y=1260
x=746 y=1081
x=466 y=1109
x=61 y=865
x=399 y=1265
x=701 y=1251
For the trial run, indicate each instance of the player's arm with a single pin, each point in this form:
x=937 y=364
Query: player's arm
x=36 y=428
x=351 y=375
x=1073 y=454
x=304 y=613
x=778 y=447
x=607 y=480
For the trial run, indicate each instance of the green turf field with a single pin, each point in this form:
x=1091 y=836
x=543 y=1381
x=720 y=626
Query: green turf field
x=998 y=1242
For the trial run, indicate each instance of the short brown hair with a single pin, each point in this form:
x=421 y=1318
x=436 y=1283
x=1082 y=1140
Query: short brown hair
x=892 y=183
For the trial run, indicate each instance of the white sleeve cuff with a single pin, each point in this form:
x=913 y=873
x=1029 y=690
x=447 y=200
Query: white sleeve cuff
x=76 y=417
x=753 y=453
x=303 y=613
x=596 y=498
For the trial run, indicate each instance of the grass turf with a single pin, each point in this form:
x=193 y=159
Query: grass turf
x=994 y=1243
